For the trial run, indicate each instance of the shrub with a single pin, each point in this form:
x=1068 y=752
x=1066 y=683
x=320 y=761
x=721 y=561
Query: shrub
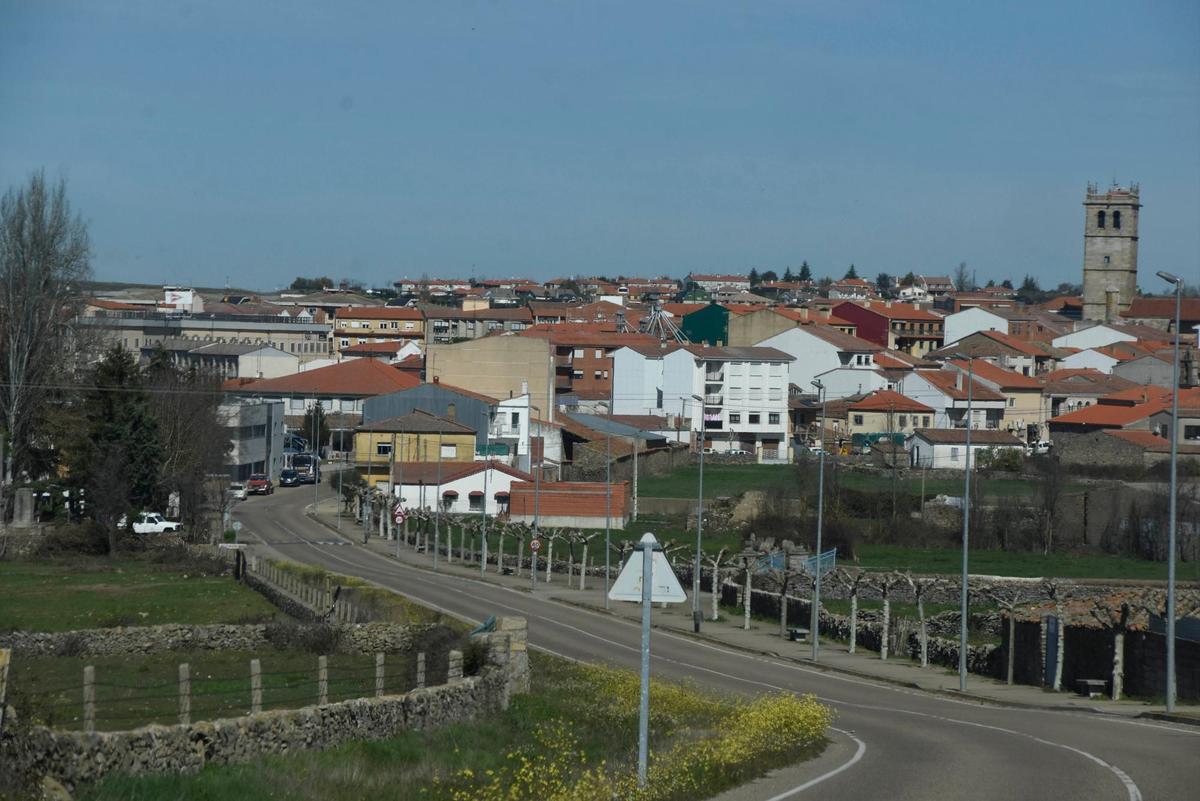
x=315 y=638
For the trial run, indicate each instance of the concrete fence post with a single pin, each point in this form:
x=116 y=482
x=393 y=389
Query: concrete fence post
x=255 y=686
x=185 y=693
x=322 y=680
x=421 y=671
x=89 y=698
x=454 y=671
x=378 y=675
x=5 y=659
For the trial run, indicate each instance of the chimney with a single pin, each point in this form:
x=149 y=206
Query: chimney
x=959 y=379
x=524 y=387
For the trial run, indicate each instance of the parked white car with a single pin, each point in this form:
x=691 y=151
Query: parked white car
x=1038 y=448
x=150 y=523
x=238 y=491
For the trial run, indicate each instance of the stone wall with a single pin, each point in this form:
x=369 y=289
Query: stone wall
x=75 y=757
x=355 y=638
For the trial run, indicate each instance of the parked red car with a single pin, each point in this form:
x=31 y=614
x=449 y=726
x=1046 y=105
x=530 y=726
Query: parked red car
x=259 y=484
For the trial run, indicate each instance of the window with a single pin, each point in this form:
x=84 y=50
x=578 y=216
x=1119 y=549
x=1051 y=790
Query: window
x=1191 y=432
x=345 y=343
x=1012 y=402
x=599 y=353
x=476 y=502
x=858 y=419
x=596 y=374
x=903 y=420
x=925 y=421
x=735 y=417
x=577 y=374
x=383 y=449
x=754 y=418
x=954 y=451
x=1117 y=220
x=773 y=418
x=516 y=419
x=449 y=451
x=578 y=353
x=1100 y=219
x=395 y=325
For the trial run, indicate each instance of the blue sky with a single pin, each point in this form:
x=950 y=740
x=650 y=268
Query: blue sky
x=253 y=142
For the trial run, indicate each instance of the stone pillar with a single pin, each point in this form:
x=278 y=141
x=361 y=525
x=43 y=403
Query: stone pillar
x=185 y=694
x=378 y=675
x=421 y=671
x=89 y=698
x=454 y=672
x=517 y=645
x=322 y=680
x=255 y=687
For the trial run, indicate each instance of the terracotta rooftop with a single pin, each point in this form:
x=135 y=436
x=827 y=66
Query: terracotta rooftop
x=948 y=382
x=1162 y=309
x=447 y=313
x=1109 y=415
x=1152 y=442
x=1005 y=379
x=378 y=313
x=353 y=378
x=895 y=311
x=570 y=499
x=840 y=339
x=885 y=400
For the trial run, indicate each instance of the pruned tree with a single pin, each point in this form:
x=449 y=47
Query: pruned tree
x=1113 y=613
x=715 y=563
x=44 y=255
x=786 y=578
x=551 y=536
x=921 y=586
x=885 y=583
x=583 y=558
x=1053 y=592
x=852 y=582
x=750 y=557
x=1008 y=598
x=521 y=533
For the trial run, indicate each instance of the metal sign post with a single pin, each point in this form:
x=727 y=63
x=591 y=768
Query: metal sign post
x=534 y=546
x=637 y=582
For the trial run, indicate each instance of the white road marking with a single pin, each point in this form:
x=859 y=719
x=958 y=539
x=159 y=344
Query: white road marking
x=858 y=754
x=1132 y=790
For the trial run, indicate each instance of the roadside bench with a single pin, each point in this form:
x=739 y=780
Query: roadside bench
x=1091 y=688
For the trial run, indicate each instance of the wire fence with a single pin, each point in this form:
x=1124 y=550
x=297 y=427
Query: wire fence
x=126 y=695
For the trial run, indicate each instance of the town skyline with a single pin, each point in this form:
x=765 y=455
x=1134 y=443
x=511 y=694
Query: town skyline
x=219 y=141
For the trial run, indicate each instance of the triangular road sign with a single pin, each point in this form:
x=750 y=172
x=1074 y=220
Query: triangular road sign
x=664 y=587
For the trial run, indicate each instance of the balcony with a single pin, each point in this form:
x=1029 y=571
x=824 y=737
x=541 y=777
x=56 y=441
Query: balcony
x=713 y=400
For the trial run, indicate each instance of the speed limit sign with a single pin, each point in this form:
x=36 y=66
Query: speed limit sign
x=535 y=545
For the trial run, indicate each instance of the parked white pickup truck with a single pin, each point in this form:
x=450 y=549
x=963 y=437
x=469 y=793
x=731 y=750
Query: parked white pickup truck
x=151 y=523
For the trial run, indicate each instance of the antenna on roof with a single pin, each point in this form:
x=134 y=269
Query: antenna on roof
x=622 y=325
x=662 y=326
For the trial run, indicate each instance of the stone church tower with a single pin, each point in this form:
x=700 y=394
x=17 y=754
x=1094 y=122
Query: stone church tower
x=1110 y=242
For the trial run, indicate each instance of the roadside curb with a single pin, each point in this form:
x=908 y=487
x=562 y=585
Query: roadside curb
x=824 y=668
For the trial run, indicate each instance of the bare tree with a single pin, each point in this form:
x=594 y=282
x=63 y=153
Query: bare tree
x=583 y=559
x=885 y=582
x=551 y=536
x=715 y=563
x=1008 y=598
x=962 y=277
x=1113 y=613
x=43 y=257
x=852 y=581
x=785 y=578
x=1053 y=592
x=920 y=586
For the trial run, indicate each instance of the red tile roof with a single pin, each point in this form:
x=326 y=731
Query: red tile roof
x=885 y=400
x=378 y=313
x=896 y=311
x=1109 y=415
x=840 y=339
x=353 y=378
x=1005 y=379
x=1162 y=309
x=1149 y=441
x=569 y=499
x=427 y=472
x=948 y=382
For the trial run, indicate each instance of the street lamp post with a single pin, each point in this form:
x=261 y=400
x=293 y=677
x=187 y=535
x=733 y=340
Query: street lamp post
x=607 y=499
x=1178 y=282
x=814 y=624
x=697 y=615
x=966 y=532
x=537 y=497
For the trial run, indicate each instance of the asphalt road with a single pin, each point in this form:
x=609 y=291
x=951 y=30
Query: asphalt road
x=890 y=743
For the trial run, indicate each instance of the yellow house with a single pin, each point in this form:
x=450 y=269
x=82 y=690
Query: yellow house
x=415 y=437
x=887 y=412
x=356 y=325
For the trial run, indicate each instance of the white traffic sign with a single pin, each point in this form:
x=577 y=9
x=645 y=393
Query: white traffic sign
x=398 y=514
x=535 y=545
x=664 y=587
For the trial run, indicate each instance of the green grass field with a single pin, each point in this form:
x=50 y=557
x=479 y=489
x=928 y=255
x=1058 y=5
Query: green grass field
x=135 y=690
x=82 y=593
x=577 y=719
x=1024 y=564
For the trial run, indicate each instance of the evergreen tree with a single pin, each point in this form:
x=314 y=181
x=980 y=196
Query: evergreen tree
x=805 y=272
x=1007 y=284
x=851 y=273
x=909 y=279
x=315 y=416
x=787 y=275
x=754 y=279
x=991 y=283
x=883 y=281
x=770 y=275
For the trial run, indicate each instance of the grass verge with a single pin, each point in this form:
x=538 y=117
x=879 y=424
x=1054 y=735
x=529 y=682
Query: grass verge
x=89 y=593
x=572 y=739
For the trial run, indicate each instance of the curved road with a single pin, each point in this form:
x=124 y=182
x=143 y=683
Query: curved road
x=891 y=743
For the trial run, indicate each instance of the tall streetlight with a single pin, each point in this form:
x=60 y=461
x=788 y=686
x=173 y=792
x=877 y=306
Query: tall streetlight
x=815 y=613
x=537 y=496
x=697 y=615
x=966 y=532
x=607 y=498
x=1178 y=282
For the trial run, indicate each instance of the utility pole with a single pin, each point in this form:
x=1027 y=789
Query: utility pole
x=487 y=466
x=814 y=625
x=697 y=615
x=437 y=502
x=1178 y=282
x=962 y=623
x=607 y=498
x=393 y=494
